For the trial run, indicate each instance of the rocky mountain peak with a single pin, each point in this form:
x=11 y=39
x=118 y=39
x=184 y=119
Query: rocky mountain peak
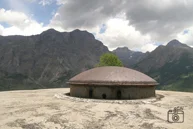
x=129 y=57
x=82 y=33
x=122 y=49
x=49 y=31
x=176 y=43
x=76 y=30
x=48 y=59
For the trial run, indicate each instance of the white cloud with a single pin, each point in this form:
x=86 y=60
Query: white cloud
x=46 y=2
x=186 y=37
x=32 y=29
x=12 y=17
x=20 y=5
x=30 y=1
x=60 y=2
x=148 y=47
x=20 y=23
x=141 y=24
x=1 y=29
x=119 y=34
x=159 y=21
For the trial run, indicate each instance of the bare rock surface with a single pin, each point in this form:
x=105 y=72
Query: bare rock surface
x=53 y=109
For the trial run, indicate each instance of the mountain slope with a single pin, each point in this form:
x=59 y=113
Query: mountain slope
x=46 y=60
x=128 y=57
x=168 y=65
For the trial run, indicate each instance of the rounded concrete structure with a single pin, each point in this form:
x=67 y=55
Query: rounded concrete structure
x=112 y=82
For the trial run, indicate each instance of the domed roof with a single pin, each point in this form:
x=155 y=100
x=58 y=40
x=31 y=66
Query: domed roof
x=112 y=76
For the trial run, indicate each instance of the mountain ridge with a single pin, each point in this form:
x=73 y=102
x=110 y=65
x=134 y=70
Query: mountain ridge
x=169 y=65
x=47 y=59
x=129 y=57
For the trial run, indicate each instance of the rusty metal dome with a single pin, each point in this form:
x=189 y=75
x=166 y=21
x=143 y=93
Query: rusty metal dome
x=112 y=76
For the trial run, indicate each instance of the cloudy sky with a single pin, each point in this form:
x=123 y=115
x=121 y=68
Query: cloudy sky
x=139 y=25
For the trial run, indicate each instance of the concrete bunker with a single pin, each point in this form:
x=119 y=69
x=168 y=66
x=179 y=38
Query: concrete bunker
x=112 y=82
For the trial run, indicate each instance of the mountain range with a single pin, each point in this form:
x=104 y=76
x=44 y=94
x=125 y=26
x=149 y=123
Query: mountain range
x=129 y=57
x=46 y=60
x=49 y=59
x=170 y=65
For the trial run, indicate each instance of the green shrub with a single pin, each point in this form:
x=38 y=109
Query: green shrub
x=109 y=59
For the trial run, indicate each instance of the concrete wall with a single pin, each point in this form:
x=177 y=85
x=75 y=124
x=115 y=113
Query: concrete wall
x=98 y=92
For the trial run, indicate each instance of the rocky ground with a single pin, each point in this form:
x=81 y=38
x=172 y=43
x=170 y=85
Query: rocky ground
x=52 y=109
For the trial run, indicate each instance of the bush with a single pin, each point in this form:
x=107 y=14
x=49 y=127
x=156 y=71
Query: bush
x=109 y=59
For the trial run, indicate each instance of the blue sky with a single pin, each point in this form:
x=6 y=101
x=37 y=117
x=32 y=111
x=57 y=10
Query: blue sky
x=34 y=9
x=43 y=13
x=185 y=32
x=103 y=28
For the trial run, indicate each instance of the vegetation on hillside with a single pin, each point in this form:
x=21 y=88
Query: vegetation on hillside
x=176 y=75
x=184 y=83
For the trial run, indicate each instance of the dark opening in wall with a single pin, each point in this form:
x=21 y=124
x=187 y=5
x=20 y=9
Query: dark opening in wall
x=104 y=96
x=90 y=93
x=129 y=97
x=118 y=94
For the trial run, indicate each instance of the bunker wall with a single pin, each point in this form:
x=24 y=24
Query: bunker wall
x=112 y=92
